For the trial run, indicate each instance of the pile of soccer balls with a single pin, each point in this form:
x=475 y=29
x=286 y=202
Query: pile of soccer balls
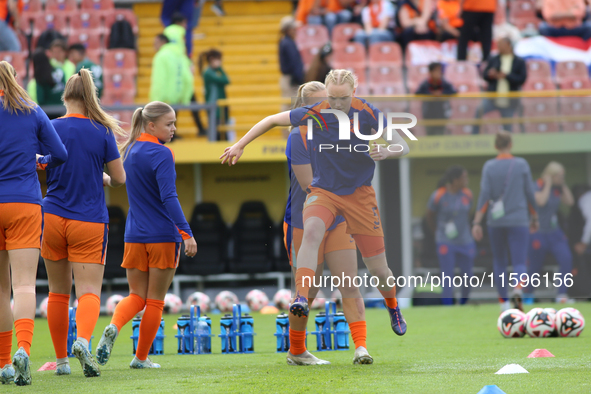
x=541 y=323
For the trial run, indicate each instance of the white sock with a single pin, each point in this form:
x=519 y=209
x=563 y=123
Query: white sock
x=62 y=361
x=82 y=341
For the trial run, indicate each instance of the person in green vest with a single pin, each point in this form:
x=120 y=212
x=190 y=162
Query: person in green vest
x=58 y=52
x=214 y=81
x=49 y=83
x=171 y=81
x=77 y=55
x=176 y=32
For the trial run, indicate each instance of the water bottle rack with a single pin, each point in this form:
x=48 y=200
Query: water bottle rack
x=284 y=341
x=157 y=347
x=330 y=335
x=73 y=332
x=235 y=336
x=189 y=336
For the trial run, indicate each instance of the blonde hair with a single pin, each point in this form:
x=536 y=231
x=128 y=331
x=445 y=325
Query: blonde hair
x=306 y=90
x=341 y=77
x=141 y=117
x=502 y=140
x=552 y=168
x=80 y=87
x=15 y=97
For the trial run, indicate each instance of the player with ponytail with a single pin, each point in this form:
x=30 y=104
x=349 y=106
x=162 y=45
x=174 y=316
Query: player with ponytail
x=154 y=230
x=76 y=221
x=23 y=128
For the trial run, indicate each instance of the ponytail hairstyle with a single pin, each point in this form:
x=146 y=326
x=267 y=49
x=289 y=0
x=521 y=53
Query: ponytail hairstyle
x=15 y=97
x=80 y=87
x=141 y=117
x=304 y=91
x=341 y=77
x=208 y=56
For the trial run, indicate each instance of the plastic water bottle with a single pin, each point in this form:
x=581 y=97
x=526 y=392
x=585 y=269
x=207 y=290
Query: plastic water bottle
x=341 y=339
x=201 y=335
x=184 y=334
x=247 y=327
x=207 y=339
x=228 y=341
x=320 y=321
x=282 y=332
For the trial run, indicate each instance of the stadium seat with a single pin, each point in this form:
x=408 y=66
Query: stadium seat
x=46 y=21
x=252 y=234
x=461 y=72
x=117 y=15
x=343 y=33
x=90 y=21
x=94 y=55
x=86 y=38
x=415 y=76
x=388 y=53
x=120 y=61
x=17 y=60
x=308 y=55
x=500 y=13
x=211 y=234
x=534 y=107
x=538 y=69
x=387 y=88
x=538 y=84
x=97 y=5
x=464 y=87
x=31 y=6
x=521 y=9
x=385 y=74
x=394 y=105
x=116 y=243
x=349 y=55
x=529 y=23
x=574 y=83
x=571 y=70
x=311 y=36
x=117 y=97
x=573 y=107
x=462 y=109
x=119 y=82
x=419 y=53
x=61 y=5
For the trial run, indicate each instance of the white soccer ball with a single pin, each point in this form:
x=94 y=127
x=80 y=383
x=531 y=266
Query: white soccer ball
x=256 y=300
x=569 y=322
x=43 y=307
x=319 y=301
x=112 y=303
x=225 y=300
x=539 y=323
x=511 y=323
x=200 y=299
x=282 y=299
x=552 y=315
x=172 y=303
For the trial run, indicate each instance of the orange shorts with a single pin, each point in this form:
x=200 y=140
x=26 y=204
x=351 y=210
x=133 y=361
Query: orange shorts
x=157 y=255
x=359 y=209
x=78 y=241
x=335 y=239
x=20 y=226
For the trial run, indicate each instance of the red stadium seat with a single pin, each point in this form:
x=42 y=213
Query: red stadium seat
x=533 y=108
x=571 y=70
x=308 y=54
x=385 y=53
x=119 y=82
x=119 y=14
x=573 y=107
x=538 y=84
x=530 y=23
x=32 y=6
x=47 y=21
x=61 y=5
x=120 y=61
x=350 y=55
x=387 y=88
x=575 y=83
x=422 y=53
x=500 y=13
x=17 y=60
x=464 y=87
x=462 y=109
x=538 y=69
x=94 y=55
x=343 y=33
x=461 y=72
x=97 y=5
x=309 y=36
x=90 y=41
x=415 y=76
x=85 y=20
x=117 y=97
x=393 y=104
x=386 y=74
x=521 y=9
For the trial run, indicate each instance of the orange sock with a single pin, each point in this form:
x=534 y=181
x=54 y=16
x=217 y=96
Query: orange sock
x=24 y=333
x=127 y=309
x=359 y=333
x=149 y=327
x=297 y=341
x=89 y=308
x=390 y=297
x=303 y=286
x=58 y=311
x=5 y=348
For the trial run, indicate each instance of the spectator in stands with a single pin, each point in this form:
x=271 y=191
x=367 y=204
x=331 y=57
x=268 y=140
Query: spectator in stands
x=356 y=9
x=320 y=65
x=565 y=18
x=436 y=86
x=186 y=8
x=215 y=81
x=58 y=52
x=290 y=60
x=378 y=21
x=478 y=17
x=449 y=19
x=49 y=83
x=504 y=73
x=77 y=55
x=416 y=21
x=9 y=23
x=176 y=32
x=324 y=12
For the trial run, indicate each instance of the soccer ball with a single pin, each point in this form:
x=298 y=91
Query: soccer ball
x=539 y=324
x=319 y=301
x=112 y=303
x=552 y=315
x=172 y=303
x=200 y=299
x=43 y=307
x=511 y=323
x=282 y=298
x=225 y=300
x=256 y=300
x=569 y=322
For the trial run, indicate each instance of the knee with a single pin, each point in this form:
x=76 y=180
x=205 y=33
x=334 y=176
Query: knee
x=382 y=273
x=313 y=234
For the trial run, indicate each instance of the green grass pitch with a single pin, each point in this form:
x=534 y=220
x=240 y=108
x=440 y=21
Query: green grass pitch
x=446 y=350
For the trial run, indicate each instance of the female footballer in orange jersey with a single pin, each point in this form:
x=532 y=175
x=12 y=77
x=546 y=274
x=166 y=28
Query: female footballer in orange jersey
x=76 y=220
x=23 y=127
x=338 y=248
x=154 y=230
x=341 y=186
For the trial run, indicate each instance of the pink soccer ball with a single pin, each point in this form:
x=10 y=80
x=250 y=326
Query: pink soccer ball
x=225 y=300
x=256 y=300
x=539 y=323
x=172 y=303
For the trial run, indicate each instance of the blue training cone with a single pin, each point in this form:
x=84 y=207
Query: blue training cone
x=491 y=389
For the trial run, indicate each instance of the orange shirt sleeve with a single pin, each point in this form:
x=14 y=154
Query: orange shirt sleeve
x=304 y=7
